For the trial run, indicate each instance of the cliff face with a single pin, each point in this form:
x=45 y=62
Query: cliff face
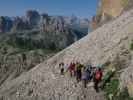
x=44 y=81
x=109 y=9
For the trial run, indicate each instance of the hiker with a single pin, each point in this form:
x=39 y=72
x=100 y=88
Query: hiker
x=66 y=67
x=89 y=72
x=72 y=68
x=78 y=71
x=97 y=78
x=61 y=66
x=84 y=77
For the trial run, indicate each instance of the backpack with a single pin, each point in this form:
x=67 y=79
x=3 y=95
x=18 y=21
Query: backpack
x=88 y=68
x=98 y=75
x=79 y=66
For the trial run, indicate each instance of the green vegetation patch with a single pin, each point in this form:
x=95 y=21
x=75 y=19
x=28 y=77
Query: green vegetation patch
x=110 y=83
x=111 y=89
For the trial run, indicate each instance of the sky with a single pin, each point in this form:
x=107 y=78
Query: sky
x=80 y=8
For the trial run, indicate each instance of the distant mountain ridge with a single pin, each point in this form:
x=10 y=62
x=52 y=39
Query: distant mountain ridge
x=34 y=19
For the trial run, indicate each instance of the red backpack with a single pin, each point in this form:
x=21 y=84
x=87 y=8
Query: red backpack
x=98 y=75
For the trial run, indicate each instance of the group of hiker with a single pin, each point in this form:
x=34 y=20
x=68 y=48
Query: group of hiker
x=84 y=73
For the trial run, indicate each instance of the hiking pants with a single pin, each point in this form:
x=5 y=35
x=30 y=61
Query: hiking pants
x=78 y=75
x=71 y=73
x=62 y=71
x=96 y=82
x=85 y=83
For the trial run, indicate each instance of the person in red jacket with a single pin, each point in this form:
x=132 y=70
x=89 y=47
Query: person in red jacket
x=97 y=78
x=72 y=68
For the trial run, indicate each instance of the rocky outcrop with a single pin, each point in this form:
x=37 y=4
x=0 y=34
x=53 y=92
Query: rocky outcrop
x=109 y=9
x=5 y=24
x=45 y=82
x=2 y=24
x=33 y=17
x=53 y=24
x=19 y=25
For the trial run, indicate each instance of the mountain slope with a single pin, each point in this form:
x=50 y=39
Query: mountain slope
x=44 y=82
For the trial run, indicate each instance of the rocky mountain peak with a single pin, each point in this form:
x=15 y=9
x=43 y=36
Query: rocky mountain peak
x=33 y=17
